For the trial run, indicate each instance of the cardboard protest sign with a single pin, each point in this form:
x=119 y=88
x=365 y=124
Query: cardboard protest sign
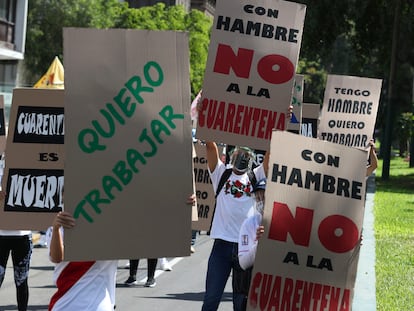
x=250 y=71
x=294 y=124
x=349 y=110
x=204 y=190
x=128 y=172
x=33 y=177
x=314 y=207
x=2 y=126
x=310 y=120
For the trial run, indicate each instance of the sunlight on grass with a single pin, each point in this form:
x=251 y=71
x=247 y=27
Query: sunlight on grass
x=394 y=233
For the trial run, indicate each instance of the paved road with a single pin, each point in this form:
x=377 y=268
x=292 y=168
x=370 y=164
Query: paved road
x=182 y=289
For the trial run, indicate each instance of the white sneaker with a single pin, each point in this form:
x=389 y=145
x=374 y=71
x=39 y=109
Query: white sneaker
x=165 y=265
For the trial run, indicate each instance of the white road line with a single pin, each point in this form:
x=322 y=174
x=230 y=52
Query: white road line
x=158 y=272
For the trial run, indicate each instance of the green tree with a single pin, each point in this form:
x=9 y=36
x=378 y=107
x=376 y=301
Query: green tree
x=405 y=129
x=46 y=19
x=45 y=22
x=162 y=17
x=315 y=79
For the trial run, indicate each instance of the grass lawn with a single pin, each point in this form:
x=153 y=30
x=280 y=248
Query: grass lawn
x=394 y=234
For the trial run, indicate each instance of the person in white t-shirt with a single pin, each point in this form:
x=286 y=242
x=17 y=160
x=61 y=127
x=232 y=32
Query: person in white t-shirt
x=234 y=203
x=82 y=285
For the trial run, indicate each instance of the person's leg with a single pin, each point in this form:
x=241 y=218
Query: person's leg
x=193 y=240
x=21 y=254
x=218 y=272
x=152 y=266
x=4 y=256
x=133 y=269
x=240 y=283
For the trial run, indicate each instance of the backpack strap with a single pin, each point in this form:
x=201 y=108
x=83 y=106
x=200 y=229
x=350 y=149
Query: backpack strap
x=226 y=174
x=252 y=178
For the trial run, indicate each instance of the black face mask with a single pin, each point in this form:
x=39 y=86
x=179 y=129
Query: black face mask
x=241 y=162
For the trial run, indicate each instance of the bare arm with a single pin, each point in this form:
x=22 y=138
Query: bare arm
x=266 y=162
x=211 y=147
x=212 y=155
x=65 y=220
x=373 y=160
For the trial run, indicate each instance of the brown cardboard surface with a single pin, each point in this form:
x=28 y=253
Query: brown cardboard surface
x=249 y=76
x=204 y=190
x=349 y=110
x=312 y=230
x=128 y=172
x=33 y=175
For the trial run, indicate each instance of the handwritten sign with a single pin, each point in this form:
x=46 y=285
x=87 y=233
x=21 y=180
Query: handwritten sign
x=128 y=171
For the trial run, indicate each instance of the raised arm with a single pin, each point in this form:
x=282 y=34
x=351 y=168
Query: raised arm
x=56 y=249
x=373 y=160
x=212 y=155
x=266 y=162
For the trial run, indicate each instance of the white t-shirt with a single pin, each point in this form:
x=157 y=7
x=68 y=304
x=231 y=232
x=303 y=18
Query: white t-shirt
x=92 y=285
x=248 y=241
x=94 y=290
x=235 y=203
x=15 y=232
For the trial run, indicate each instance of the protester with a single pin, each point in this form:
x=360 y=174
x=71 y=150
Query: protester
x=233 y=206
x=234 y=203
x=81 y=285
x=250 y=232
x=19 y=244
x=133 y=269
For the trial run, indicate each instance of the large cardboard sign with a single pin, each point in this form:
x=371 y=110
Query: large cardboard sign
x=314 y=207
x=250 y=71
x=2 y=126
x=349 y=110
x=310 y=120
x=33 y=177
x=128 y=172
x=204 y=190
x=294 y=125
